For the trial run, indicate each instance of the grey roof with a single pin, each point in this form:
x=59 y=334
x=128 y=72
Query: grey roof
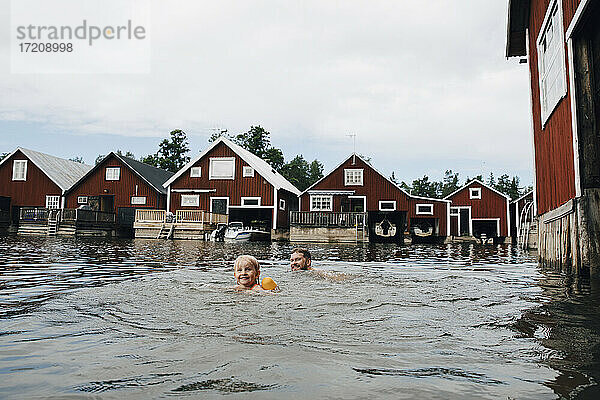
x=62 y=172
x=259 y=165
x=154 y=176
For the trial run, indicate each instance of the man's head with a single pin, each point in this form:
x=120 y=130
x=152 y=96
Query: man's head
x=300 y=259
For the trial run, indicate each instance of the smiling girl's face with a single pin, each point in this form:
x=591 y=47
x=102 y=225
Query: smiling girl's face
x=245 y=274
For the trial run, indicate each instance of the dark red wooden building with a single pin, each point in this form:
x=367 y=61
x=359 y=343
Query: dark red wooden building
x=228 y=179
x=120 y=185
x=478 y=209
x=356 y=186
x=560 y=40
x=32 y=179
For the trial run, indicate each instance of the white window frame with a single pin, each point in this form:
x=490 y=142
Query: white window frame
x=250 y=205
x=472 y=192
x=429 y=205
x=381 y=202
x=321 y=197
x=138 y=200
x=52 y=202
x=15 y=174
x=189 y=197
x=247 y=171
x=456 y=213
x=282 y=204
x=196 y=172
x=219 y=159
x=82 y=199
x=219 y=198
x=554 y=20
x=112 y=173
x=350 y=177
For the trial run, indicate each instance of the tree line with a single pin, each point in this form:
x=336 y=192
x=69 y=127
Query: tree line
x=450 y=183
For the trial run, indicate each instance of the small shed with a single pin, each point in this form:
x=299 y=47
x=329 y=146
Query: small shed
x=120 y=185
x=227 y=179
x=480 y=211
x=30 y=179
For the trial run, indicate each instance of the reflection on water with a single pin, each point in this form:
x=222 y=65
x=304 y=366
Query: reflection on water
x=148 y=318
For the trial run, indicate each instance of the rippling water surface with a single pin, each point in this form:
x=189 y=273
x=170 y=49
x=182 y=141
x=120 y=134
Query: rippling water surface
x=158 y=319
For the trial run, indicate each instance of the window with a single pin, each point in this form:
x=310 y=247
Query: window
x=281 y=204
x=353 y=176
x=140 y=200
x=387 y=205
x=250 y=201
x=551 y=60
x=222 y=168
x=321 y=203
x=453 y=211
x=424 y=209
x=82 y=199
x=113 y=173
x=52 y=201
x=474 y=193
x=190 y=200
x=248 y=172
x=19 y=170
x=195 y=172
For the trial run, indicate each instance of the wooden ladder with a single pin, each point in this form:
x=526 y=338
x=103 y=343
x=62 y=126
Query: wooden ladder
x=52 y=223
x=166 y=231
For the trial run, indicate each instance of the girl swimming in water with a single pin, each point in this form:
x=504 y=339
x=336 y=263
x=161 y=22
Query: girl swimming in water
x=247 y=271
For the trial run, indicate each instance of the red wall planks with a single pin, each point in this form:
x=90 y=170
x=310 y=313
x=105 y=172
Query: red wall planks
x=96 y=184
x=31 y=192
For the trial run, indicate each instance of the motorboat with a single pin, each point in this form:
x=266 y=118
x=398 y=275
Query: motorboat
x=238 y=233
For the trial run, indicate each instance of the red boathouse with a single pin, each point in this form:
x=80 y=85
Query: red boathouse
x=355 y=202
x=229 y=180
x=480 y=211
x=560 y=40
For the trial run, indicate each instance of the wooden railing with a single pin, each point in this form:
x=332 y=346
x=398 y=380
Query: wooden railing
x=94 y=216
x=150 y=215
x=325 y=218
x=199 y=216
x=33 y=214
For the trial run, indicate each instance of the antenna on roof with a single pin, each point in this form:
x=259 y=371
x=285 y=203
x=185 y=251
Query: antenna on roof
x=353 y=136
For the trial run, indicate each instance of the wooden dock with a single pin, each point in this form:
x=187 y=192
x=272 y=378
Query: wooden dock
x=184 y=224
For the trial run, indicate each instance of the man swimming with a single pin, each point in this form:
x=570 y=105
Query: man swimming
x=300 y=259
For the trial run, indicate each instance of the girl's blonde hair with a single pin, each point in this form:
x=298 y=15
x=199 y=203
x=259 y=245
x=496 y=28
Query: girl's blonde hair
x=246 y=259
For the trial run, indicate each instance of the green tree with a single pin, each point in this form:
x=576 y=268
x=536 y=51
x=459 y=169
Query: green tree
x=404 y=186
x=3 y=156
x=449 y=184
x=297 y=172
x=478 y=177
x=491 y=180
x=424 y=187
x=172 y=153
x=315 y=172
x=77 y=160
x=393 y=179
x=503 y=184
x=513 y=188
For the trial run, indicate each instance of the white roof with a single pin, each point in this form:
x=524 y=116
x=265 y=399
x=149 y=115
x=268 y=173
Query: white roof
x=522 y=197
x=62 y=172
x=480 y=183
x=259 y=165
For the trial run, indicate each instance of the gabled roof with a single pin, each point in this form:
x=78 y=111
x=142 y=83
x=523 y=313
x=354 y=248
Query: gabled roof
x=481 y=184
x=60 y=171
x=260 y=166
x=155 y=177
x=518 y=21
x=522 y=197
x=410 y=196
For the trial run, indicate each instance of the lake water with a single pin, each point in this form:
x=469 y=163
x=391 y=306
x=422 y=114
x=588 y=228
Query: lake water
x=158 y=319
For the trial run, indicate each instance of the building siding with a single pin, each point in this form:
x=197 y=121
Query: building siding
x=555 y=171
x=29 y=193
x=491 y=205
x=95 y=184
x=375 y=187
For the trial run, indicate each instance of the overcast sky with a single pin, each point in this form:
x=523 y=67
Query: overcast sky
x=424 y=85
